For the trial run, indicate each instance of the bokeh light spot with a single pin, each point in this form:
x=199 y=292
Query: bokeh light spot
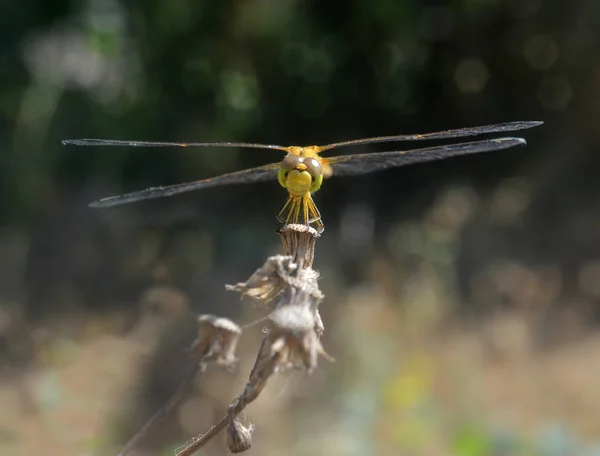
x=471 y=75
x=239 y=91
x=541 y=51
x=510 y=199
x=314 y=64
x=555 y=93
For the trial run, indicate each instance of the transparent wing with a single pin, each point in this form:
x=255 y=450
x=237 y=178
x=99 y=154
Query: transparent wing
x=259 y=174
x=351 y=165
x=448 y=134
x=115 y=142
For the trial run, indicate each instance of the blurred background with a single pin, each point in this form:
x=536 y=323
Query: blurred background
x=462 y=297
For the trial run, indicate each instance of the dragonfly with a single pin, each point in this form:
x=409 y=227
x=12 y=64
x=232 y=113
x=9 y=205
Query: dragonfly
x=302 y=170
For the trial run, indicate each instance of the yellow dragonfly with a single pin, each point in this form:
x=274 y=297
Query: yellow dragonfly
x=302 y=170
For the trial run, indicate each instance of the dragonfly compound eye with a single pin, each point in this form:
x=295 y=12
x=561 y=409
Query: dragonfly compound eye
x=291 y=162
x=287 y=164
x=313 y=167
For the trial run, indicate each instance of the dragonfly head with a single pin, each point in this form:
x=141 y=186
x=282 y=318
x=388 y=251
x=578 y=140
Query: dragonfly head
x=300 y=174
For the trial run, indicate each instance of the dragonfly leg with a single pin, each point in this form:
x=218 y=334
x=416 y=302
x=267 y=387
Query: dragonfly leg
x=290 y=212
x=297 y=205
x=281 y=216
x=301 y=206
x=314 y=214
x=305 y=209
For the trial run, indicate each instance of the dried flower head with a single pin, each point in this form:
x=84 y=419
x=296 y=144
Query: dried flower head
x=217 y=340
x=299 y=242
x=268 y=281
x=277 y=274
x=293 y=334
x=239 y=436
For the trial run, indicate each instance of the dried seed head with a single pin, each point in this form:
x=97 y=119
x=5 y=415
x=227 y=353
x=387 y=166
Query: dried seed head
x=211 y=322
x=239 y=436
x=280 y=273
x=293 y=335
x=217 y=340
x=299 y=242
x=268 y=281
x=304 y=281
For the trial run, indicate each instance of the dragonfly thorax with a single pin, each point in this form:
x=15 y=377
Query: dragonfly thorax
x=300 y=174
x=306 y=151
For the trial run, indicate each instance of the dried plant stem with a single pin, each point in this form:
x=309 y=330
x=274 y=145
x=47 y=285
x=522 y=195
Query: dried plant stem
x=216 y=343
x=251 y=392
x=287 y=285
x=199 y=442
x=175 y=399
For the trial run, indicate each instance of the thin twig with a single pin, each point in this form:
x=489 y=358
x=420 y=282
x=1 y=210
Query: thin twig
x=204 y=438
x=261 y=371
x=173 y=401
x=216 y=343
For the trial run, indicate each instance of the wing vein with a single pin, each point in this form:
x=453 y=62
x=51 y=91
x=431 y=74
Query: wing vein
x=448 y=134
x=351 y=165
x=259 y=174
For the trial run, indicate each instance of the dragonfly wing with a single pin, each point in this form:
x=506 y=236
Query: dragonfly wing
x=120 y=143
x=351 y=165
x=448 y=134
x=259 y=174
